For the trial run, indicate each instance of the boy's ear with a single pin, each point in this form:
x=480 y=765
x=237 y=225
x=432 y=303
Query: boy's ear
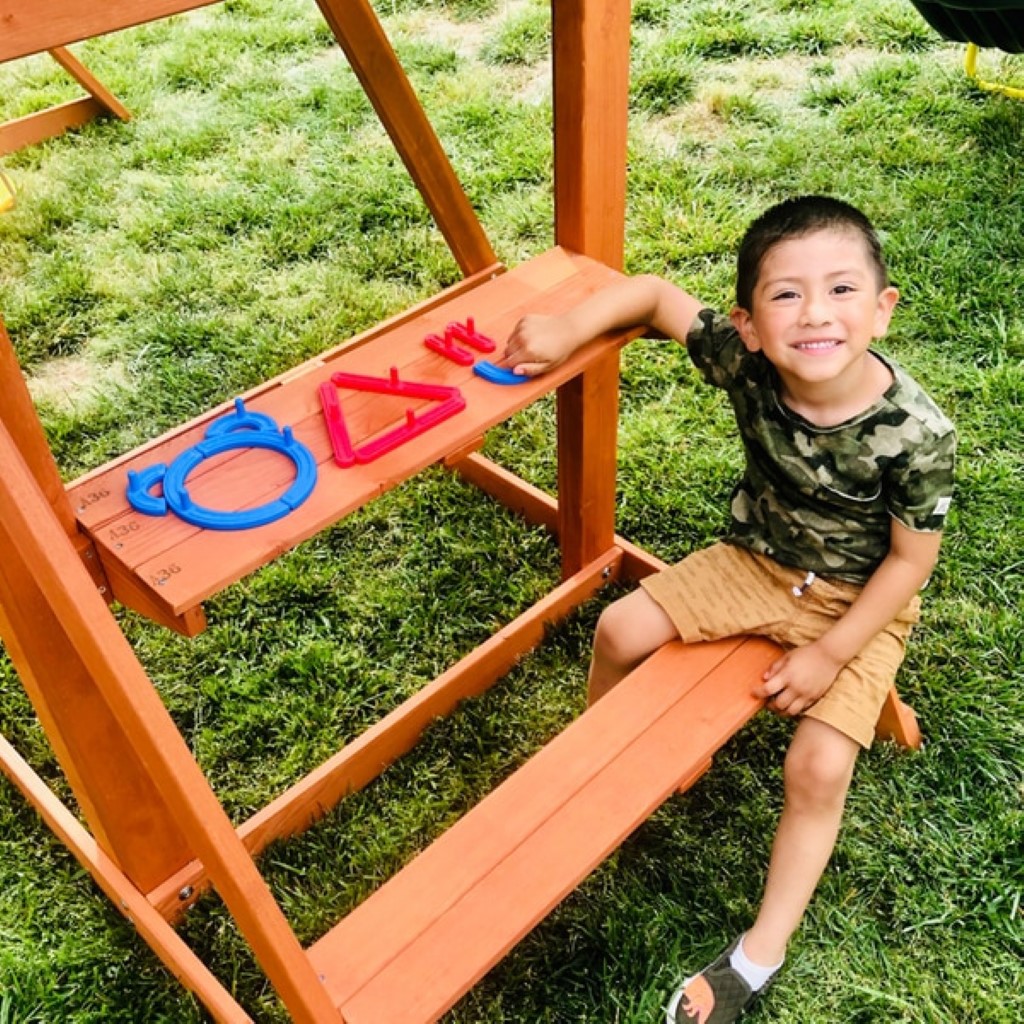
x=744 y=324
x=886 y=303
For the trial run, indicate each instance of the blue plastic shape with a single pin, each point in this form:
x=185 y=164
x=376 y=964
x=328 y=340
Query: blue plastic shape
x=498 y=374
x=237 y=430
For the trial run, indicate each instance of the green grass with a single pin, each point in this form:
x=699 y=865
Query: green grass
x=253 y=213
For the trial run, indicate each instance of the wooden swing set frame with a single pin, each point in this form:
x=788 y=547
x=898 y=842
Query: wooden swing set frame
x=148 y=827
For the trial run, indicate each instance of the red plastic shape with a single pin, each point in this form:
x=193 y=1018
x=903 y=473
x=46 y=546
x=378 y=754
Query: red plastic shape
x=449 y=399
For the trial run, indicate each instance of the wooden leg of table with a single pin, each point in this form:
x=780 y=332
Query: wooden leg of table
x=898 y=722
x=587 y=425
x=90 y=83
x=46 y=124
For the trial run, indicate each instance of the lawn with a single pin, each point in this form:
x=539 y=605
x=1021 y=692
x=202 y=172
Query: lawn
x=253 y=213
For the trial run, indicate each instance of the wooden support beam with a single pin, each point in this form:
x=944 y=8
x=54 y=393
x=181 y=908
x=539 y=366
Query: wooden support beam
x=18 y=415
x=358 y=30
x=161 y=936
x=45 y=124
x=591 y=105
x=141 y=741
x=591 y=97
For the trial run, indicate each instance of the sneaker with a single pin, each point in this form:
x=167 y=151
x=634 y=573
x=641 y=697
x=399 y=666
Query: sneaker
x=718 y=995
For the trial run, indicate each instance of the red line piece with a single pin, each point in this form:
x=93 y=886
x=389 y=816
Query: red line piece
x=469 y=335
x=446 y=347
x=337 y=429
x=449 y=399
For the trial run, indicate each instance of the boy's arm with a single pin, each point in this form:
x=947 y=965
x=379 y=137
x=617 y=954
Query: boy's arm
x=539 y=343
x=803 y=674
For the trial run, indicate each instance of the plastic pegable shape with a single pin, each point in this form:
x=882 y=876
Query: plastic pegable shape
x=449 y=402
x=498 y=374
x=236 y=431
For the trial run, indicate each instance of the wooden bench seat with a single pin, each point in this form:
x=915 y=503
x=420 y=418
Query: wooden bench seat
x=165 y=568
x=413 y=948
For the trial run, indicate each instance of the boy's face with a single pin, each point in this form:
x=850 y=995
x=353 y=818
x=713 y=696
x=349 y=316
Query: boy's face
x=816 y=308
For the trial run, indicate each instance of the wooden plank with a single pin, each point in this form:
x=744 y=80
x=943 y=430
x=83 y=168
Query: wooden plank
x=31 y=26
x=18 y=414
x=588 y=422
x=414 y=947
x=183 y=565
x=539 y=283
x=90 y=83
x=365 y=757
x=590 y=40
x=46 y=124
x=123 y=810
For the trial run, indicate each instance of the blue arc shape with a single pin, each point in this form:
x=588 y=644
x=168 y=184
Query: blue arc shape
x=498 y=374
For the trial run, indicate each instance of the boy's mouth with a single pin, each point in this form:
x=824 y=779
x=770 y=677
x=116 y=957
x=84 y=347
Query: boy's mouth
x=820 y=345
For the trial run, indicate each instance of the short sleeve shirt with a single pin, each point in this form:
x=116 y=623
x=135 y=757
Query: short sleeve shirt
x=821 y=498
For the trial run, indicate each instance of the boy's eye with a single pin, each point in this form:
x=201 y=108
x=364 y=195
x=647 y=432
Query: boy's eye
x=843 y=289
x=786 y=294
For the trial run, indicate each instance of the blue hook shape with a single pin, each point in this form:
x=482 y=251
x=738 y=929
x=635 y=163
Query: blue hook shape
x=140 y=486
x=237 y=430
x=498 y=374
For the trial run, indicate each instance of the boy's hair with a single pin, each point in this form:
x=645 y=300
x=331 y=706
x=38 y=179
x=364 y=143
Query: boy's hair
x=794 y=218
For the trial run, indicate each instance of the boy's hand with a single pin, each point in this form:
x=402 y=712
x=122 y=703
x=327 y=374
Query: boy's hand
x=798 y=679
x=539 y=343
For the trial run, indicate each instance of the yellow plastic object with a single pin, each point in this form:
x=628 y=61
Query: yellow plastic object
x=6 y=193
x=971 y=68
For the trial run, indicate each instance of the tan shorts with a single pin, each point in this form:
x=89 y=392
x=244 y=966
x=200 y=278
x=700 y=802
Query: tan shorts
x=726 y=590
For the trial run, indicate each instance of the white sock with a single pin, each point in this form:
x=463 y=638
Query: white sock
x=755 y=975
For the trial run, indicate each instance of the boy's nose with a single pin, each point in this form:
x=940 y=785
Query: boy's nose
x=814 y=312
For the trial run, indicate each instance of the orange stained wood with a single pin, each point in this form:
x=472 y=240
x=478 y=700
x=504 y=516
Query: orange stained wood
x=162 y=938
x=122 y=698
x=31 y=26
x=45 y=124
x=179 y=565
x=18 y=414
x=422 y=940
x=417 y=945
x=366 y=756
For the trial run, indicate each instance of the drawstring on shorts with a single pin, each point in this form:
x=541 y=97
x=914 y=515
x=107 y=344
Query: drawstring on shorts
x=808 y=580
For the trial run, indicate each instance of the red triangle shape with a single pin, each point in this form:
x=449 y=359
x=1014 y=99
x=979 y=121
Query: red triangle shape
x=449 y=399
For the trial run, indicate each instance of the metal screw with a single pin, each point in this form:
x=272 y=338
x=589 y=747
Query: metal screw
x=186 y=893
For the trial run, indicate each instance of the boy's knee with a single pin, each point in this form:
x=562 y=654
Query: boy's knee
x=612 y=635
x=819 y=766
x=628 y=630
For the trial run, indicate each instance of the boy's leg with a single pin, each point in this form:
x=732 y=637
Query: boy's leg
x=818 y=770
x=627 y=632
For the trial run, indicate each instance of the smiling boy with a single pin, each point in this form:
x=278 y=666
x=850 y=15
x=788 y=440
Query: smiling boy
x=836 y=525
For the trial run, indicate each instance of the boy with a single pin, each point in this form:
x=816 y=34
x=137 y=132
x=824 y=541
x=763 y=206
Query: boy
x=836 y=525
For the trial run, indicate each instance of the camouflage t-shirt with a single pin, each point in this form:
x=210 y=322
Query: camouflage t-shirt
x=821 y=498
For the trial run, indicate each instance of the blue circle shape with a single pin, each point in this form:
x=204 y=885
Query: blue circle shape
x=180 y=501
